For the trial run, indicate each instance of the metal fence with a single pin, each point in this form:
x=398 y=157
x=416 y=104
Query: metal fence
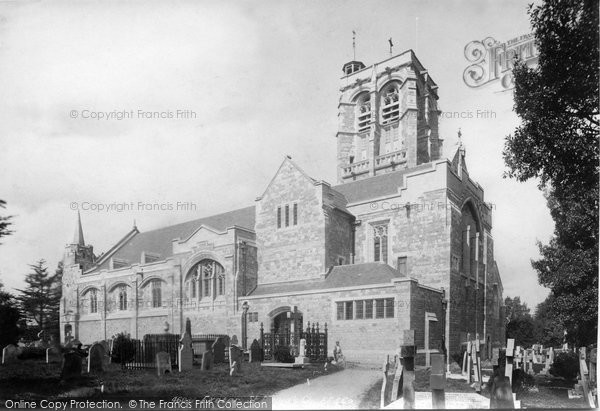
x=316 y=342
x=137 y=355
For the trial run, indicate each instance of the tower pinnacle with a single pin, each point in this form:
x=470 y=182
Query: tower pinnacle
x=78 y=237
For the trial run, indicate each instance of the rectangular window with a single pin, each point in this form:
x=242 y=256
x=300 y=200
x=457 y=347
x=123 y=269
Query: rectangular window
x=389 y=308
x=340 y=311
x=360 y=310
x=368 y=309
x=278 y=217
x=402 y=265
x=287 y=215
x=295 y=214
x=348 y=311
x=377 y=248
x=379 y=308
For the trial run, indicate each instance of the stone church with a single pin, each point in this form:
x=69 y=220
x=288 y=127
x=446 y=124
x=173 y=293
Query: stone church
x=402 y=241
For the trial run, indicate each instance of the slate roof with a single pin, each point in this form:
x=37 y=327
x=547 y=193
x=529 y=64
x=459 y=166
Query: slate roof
x=377 y=186
x=354 y=275
x=159 y=241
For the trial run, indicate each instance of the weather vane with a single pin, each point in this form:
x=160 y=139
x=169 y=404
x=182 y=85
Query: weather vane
x=354 y=44
x=391 y=46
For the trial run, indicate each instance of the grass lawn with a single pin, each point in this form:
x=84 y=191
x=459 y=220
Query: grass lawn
x=30 y=380
x=551 y=392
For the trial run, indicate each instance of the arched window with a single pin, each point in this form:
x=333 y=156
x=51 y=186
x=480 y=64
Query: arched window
x=93 y=300
x=390 y=103
x=209 y=278
x=156 y=293
x=123 y=298
x=221 y=283
x=363 y=112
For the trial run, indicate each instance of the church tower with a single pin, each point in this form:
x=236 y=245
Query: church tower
x=77 y=253
x=388 y=117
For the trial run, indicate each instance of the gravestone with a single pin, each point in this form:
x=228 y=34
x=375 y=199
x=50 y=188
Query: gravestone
x=97 y=358
x=501 y=396
x=218 y=350
x=495 y=356
x=186 y=354
x=53 y=355
x=163 y=363
x=71 y=365
x=207 y=361
x=301 y=358
x=510 y=352
x=437 y=381
x=397 y=381
x=236 y=356
x=234 y=340
x=407 y=352
x=9 y=354
x=255 y=352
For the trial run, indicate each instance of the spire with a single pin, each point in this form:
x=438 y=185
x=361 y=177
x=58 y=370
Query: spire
x=78 y=238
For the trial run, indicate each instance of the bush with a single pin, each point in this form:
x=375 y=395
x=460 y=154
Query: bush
x=123 y=348
x=282 y=354
x=32 y=353
x=457 y=357
x=566 y=365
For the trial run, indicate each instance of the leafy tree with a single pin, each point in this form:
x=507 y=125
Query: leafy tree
x=557 y=142
x=519 y=323
x=39 y=301
x=549 y=332
x=9 y=318
x=4 y=222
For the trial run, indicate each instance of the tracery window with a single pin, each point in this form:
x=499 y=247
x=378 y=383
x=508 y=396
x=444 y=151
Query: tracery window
x=390 y=104
x=209 y=275
x=380 y=243
x=221 y=283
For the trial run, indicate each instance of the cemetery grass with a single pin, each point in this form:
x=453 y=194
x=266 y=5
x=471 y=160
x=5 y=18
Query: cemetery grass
x=34 y=379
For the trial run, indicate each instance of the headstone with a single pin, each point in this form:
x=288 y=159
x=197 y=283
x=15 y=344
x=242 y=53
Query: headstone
x=207 y=361
x=337 y=352
x=71 y=365
x=186 y=354
x=301 y=358
x=9 y=354
x=234 y=340
x=495 y=356
x=408 y=364
x=501 y=393
x=236 y=356
x=437 y=381
x=163 y=363
x=397 y=382
x=53 y=355
x=255 y=352
x=218 y=350
x=510 y=348
x=97 y=358
x=384 y=386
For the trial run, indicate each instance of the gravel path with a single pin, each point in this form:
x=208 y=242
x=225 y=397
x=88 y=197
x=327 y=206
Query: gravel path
x=342 y=390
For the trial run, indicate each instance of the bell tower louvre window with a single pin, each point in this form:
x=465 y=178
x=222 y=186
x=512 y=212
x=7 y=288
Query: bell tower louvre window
x=363 y=115
x=390 y=104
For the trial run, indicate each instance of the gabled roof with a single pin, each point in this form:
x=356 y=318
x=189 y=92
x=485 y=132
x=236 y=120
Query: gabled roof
x=159 y=241
x=354 y=275
x=286 y=160
x=377 y=186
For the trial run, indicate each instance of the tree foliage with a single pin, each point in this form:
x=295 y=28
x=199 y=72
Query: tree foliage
x=9 y=318
x=40 y=301
x=549 y=332
x=4 y=222
x=519 y=323
x=557 y=142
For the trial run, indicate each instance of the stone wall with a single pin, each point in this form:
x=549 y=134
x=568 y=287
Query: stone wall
x=297 y=251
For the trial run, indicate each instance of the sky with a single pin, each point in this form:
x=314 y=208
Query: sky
x=239 y=85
